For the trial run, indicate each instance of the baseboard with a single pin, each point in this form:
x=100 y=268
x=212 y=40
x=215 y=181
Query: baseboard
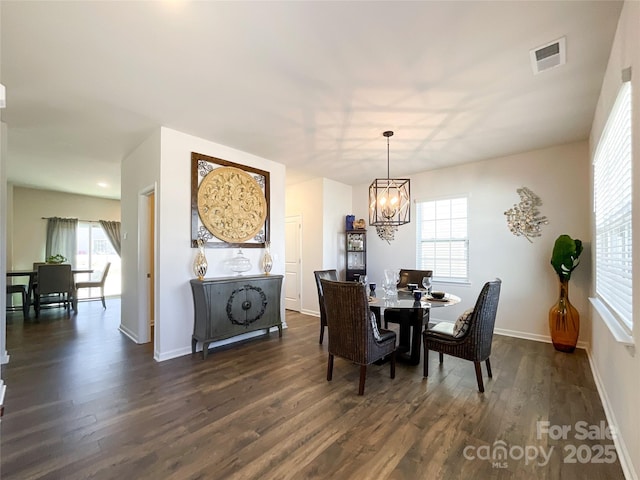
x=312 y=313
x=3 y=389
x=129 y=333
x=618 y=441
x=533 y=336
x=179 y=352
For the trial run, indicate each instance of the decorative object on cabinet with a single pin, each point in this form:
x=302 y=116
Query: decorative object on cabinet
x=523 y=218
x=356 y=249
x=360 y=224
x=349 y=219
x=564 y=319
x=239 y=263
x=229 y=203
x=229 y=306
x=389 y=202
x=200 y=264
x=267 y=259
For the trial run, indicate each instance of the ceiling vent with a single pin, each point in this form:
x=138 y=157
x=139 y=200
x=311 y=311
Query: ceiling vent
x=548 y=56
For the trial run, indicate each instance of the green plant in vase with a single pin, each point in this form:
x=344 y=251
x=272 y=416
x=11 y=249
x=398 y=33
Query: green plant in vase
x=564 y=319
x=57 y=258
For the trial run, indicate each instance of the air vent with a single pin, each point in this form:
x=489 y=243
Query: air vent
x=548 y=56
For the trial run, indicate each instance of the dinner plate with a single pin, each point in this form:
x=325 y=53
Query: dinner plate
x=431 y=299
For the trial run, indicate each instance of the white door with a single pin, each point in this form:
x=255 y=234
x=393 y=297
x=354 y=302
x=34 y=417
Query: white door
x=292 y=263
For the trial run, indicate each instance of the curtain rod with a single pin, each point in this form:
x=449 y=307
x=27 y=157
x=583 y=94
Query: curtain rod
x=67 y=218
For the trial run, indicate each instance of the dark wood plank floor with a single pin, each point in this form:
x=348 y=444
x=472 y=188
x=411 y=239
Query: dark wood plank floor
x=84 y=402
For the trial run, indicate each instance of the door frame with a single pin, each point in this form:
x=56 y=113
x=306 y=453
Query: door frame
x=298 y=220
x=144 y=258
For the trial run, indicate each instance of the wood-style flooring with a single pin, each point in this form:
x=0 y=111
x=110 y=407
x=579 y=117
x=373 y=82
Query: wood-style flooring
x=84 y=402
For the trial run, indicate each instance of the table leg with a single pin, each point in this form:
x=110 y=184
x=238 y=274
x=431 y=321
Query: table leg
x=410 y=335
x=413 y=330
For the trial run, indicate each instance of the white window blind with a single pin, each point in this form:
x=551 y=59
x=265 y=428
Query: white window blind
x=443 y=243
x=612 y=208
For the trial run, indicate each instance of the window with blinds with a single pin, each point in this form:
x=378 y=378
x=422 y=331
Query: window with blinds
x=442 y=239
x=612 y=209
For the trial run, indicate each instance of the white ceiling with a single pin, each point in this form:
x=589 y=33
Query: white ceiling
x=309 y=84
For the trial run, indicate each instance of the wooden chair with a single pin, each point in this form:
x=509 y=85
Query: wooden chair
x=329 y=275
x=96 y=284
x=473 y=341
x=353 y=329
x=54 y=287
x=22 y=290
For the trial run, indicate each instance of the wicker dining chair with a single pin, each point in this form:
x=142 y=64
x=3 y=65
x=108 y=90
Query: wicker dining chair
x=329 y=275
x=397 y=315
x=471 y=336
x=353 y=331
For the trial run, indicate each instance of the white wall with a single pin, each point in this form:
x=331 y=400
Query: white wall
x=322 y=205
x=5 y=202
x=165 y=158
x=559 y=176
x=140 y=175
x=305 y=199
x=29 y=230
x=336 y=206
x=616 y=368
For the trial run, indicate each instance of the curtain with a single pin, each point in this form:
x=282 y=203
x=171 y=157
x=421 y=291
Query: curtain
x=112 y=229
x=62 y=238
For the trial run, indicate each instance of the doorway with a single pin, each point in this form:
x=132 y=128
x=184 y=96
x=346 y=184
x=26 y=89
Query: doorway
x=147 y=327
x=151 y=275
x=293 y=263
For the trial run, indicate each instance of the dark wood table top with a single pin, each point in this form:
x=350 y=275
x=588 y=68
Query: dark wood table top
x=29 y=273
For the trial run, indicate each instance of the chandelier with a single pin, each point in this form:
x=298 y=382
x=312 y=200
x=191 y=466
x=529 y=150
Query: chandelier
x=389 y=202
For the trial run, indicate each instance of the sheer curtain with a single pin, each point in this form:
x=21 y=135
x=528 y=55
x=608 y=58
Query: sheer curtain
x=112 y=229
x=62 y=238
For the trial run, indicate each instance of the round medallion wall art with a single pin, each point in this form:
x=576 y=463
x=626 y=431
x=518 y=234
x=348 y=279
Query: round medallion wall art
x=231 y=204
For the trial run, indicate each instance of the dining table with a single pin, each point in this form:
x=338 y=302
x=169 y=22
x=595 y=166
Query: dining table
x=33 y=274
x=410 y=334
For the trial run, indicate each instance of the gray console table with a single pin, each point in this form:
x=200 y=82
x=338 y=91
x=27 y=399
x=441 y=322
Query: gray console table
x=229 y=306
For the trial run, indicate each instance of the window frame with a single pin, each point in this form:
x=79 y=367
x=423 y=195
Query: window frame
x=420 y=258
x=616 y=312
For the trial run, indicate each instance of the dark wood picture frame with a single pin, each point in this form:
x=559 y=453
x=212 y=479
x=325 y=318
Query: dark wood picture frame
x=201 y=165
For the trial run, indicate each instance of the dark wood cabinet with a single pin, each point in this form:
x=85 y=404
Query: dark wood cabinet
x=356 y=254
x=229 y=306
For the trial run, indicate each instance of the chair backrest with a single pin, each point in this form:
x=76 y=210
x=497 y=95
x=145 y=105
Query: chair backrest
x=328 y=275
x=37 y=264
x=483 y=319
x=413 y=276
x=105 y=272
x=54 y=279
x=348 y=320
